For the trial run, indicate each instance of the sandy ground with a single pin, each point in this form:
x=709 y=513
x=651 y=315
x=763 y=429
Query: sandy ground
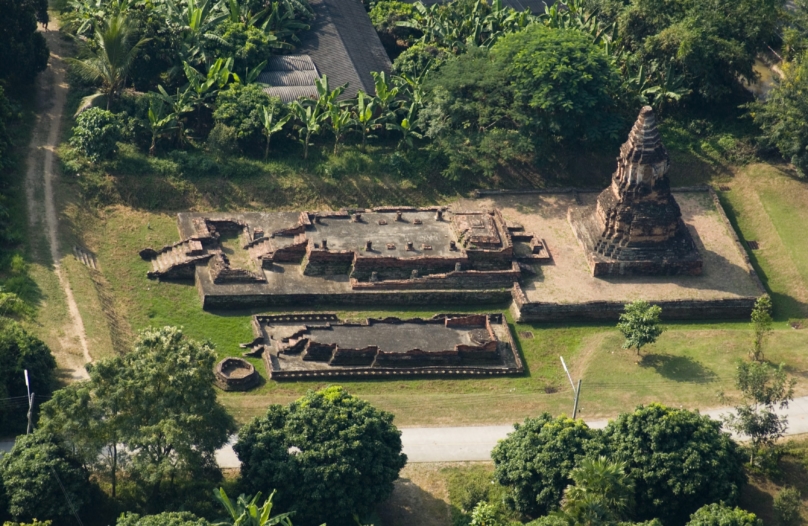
x=569 y=280
x=42 y=214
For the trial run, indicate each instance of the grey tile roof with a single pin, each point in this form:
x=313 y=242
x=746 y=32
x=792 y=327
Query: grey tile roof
x=290 y=77
x=341 y=43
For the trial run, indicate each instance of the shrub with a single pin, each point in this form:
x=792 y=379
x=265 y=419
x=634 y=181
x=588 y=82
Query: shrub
x=95 y=133
x=223 y=139
x=330 y=456
x=28 y=477
x=679 y=460
x=787 y=506
x=247 y=44
x=416 y=58
x=535 y=461
x=174 y=518
x=721 y=515
x=240 y=107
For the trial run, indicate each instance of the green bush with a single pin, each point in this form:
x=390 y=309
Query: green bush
x=721 y=515
x=679 y=460
x=330 y=455
x=787 y=506
x=28 y=477
x=418 y=57
x=535 y=461
x=223 y=139
x=240 y=107
x=174 y=518
x=96 y=133
x=247 y=44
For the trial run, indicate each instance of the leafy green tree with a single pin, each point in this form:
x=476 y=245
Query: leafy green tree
x=787 y=506
x=781 y=116
x=365 y=115
x=603 y=493
x=157 y=403
x=330 y=455
x=639 y=324
x=761 y=325
x=721 y=515
x=536 y=460
x=110 y=57
x=160 y=124
x=246 y=511
x=23 y=50
x=714 y=42
x=172 y=518
x=180 y=104
x=763 y=388
x=96 y=134
x=420 y=58
x=34 y=523
x=679 y=460
x=20 y=351
x=29 y=475
x=341 y=120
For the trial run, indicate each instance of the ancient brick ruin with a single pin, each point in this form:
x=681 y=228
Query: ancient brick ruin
x=637 y=239
x=235 y=374
x=636 y=227
x=350 y=255
x=320 y=345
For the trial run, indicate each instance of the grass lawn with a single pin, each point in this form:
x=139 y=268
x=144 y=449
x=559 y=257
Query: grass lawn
x=688 y=367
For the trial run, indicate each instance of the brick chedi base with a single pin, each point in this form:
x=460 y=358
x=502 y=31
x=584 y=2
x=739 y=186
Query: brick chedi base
x=636 y=227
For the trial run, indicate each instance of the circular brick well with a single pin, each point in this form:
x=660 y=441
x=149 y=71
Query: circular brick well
x=235 y=374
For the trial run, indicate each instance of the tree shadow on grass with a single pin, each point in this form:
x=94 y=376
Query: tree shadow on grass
x=409 y=504
x=678 y=368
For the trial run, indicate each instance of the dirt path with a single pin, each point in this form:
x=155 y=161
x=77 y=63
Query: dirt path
x=42 y=213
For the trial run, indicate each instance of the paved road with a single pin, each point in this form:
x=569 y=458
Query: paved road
x=459 y=444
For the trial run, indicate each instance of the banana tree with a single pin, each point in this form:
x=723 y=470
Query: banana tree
x=271 y=125
x=246 y=511
x=341 y=121
x=325 y=95
x=386 y=99
x=159 y=123
x=205 y=87
x=194 y=22
x=309 y=118
x=365 y=111
x=407 y=127
x=180 y=104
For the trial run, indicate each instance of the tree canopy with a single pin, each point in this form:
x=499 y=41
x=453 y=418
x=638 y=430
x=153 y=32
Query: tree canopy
x=32 y=490
x=536 y=460
x=720 y=515
x=23 y=50
x=159 y=403
x=639 y=324
x=330 y=455
x=679 y=460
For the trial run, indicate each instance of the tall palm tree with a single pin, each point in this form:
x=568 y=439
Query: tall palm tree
x=110 y=58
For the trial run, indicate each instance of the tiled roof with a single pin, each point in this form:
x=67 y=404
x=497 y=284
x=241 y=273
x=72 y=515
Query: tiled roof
x=342 y=44
x=290 y=77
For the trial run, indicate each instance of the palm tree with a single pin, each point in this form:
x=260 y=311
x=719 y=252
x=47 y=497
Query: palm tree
x=603 y=493
x=271 y=126
x=110 y=58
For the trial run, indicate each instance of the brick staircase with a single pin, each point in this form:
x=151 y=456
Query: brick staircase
x=184 y=253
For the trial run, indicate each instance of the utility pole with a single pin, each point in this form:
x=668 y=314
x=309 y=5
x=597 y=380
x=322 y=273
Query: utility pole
x=576 y=390
x=30 y=404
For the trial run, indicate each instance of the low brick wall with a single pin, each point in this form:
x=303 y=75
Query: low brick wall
x=427 y=297
x=227 y=383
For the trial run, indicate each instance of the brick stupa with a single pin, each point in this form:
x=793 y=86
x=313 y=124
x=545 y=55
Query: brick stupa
x=636 y=228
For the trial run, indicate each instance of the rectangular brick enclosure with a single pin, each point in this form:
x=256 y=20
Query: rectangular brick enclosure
x=517 y=247
x=298 y=346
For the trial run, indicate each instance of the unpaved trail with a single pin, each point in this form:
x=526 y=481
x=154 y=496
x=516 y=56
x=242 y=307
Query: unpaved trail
x=42 y=212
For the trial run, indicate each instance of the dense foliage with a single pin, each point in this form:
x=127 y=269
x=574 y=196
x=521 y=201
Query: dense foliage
x=21 y=350
x=172 y=518
x=31 y=488
x=96 y=133
x=721 y=515
x=536 y=460
x=679 y=460
x=23 y=50
x=329 y=455
x=151 y=414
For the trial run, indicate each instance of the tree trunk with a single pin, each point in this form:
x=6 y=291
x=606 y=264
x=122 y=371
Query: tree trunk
x=114 y=469
x=153 y=147
x=336 y=143
x=266 y=150
x=306 y=146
